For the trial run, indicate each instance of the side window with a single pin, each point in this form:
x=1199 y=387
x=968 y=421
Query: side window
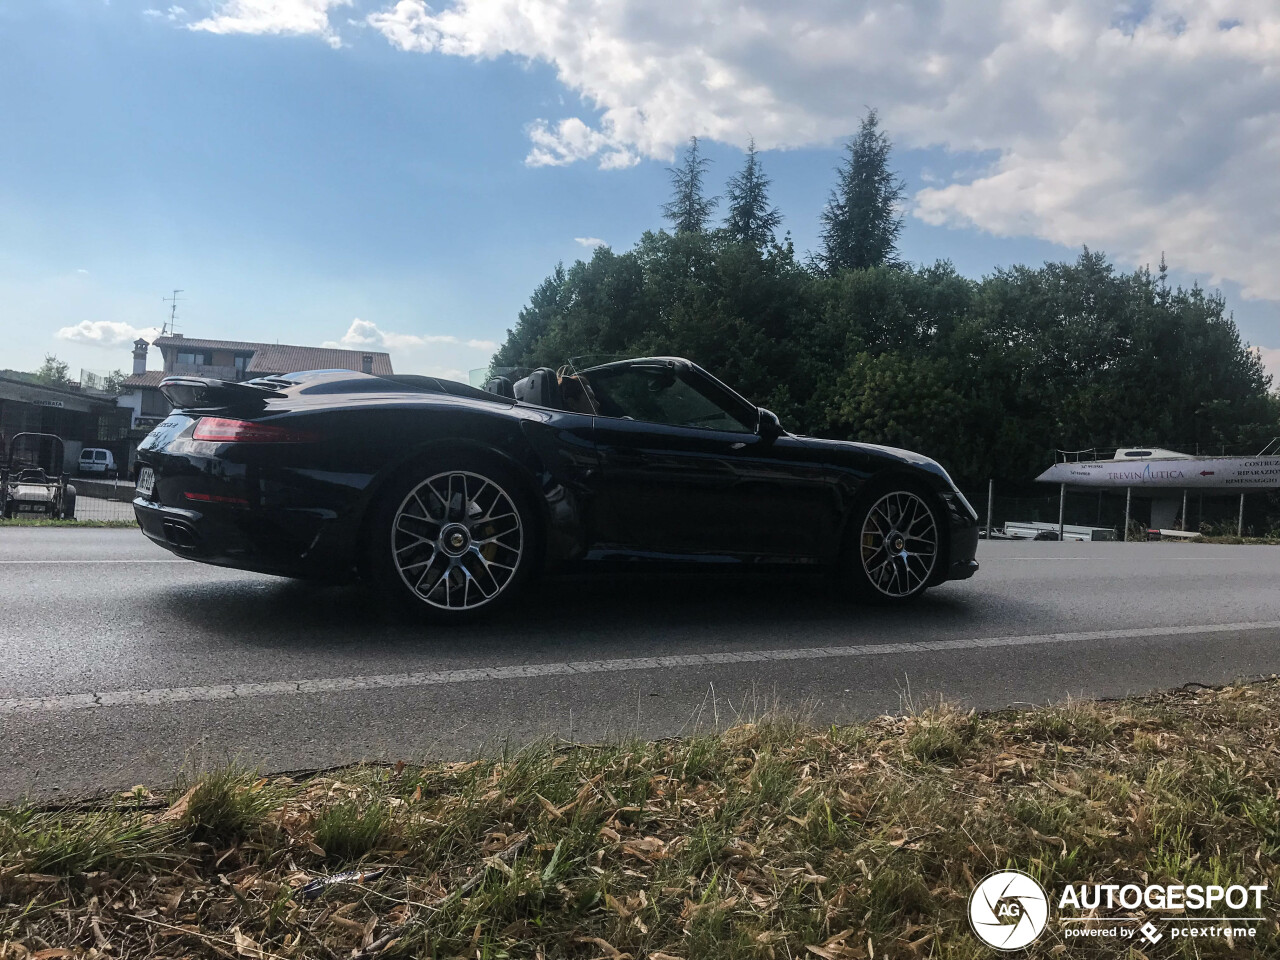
x=658 y=395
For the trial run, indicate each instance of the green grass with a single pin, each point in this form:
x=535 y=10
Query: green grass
x=66 y=523
x=770 y=840
x=226 y=806
x=353 y=829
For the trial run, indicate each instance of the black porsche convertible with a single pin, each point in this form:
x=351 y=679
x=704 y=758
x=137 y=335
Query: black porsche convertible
x=450 y=497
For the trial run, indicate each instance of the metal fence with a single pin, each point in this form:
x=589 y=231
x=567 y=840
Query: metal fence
x=98 y=508
x=1106 y=509
x=103 y=499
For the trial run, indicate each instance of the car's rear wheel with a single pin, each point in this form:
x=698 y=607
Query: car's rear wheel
x=895 y=544
x=453 y=542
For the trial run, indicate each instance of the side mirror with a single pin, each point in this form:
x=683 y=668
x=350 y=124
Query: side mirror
x=769 y=426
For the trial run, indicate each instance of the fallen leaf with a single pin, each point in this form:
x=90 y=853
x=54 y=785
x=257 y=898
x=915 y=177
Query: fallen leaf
x=179 y=808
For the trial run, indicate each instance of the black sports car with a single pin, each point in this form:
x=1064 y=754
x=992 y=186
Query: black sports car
x=449 y=497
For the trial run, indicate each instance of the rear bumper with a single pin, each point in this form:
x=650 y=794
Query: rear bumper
x=244 y=539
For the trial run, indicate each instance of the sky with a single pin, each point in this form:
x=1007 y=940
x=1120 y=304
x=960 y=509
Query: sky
x=397 y=175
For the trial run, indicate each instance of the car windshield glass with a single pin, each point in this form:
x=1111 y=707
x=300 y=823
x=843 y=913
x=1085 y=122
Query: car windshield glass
x=658 y=394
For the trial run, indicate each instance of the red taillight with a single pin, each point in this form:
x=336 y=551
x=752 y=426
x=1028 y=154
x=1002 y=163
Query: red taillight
x=222 y=430
x=214 y=498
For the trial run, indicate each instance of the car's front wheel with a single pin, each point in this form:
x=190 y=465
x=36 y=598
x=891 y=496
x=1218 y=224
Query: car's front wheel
x=451 y=542
x=894 y=545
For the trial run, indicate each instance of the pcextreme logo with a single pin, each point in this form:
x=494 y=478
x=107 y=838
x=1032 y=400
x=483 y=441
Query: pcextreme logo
x=1008 y=910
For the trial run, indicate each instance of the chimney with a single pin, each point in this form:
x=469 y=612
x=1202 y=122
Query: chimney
x=140 y=356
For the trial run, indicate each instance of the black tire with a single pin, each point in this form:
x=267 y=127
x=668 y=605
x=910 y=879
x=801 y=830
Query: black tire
x=452 y=539
x=69 y=504
x=895 y=543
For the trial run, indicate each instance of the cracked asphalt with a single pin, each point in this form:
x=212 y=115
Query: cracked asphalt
x=123 y=665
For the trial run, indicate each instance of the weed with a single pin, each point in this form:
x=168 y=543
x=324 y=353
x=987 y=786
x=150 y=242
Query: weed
x=226 y=805
x=353 y=829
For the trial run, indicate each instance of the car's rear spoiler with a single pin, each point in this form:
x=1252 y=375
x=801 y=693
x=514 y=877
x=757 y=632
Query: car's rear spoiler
x=203 y=393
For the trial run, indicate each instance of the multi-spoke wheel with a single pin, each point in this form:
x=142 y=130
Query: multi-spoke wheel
x=453 y=541
x=898 y=545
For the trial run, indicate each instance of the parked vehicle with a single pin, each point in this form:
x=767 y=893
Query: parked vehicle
x=35 y=483
x=449 y=498
x=99 y=461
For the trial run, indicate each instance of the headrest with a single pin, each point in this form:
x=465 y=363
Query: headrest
x=539 y=388
x=500 y=386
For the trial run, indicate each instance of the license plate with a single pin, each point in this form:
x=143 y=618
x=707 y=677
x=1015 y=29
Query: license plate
x=146 y=481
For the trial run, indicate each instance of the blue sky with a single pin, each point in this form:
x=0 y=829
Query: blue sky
x=291 y=181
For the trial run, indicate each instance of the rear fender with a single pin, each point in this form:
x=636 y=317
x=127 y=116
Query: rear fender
x=525 y=471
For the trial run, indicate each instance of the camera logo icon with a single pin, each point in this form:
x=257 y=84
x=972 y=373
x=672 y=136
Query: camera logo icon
x=1008 y=910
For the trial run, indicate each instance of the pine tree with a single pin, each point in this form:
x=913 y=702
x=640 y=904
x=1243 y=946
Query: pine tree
x=688 y=210
x=751 y=220
x=860 y=224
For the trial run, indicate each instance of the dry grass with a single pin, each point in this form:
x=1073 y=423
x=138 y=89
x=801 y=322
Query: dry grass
x=771 y=840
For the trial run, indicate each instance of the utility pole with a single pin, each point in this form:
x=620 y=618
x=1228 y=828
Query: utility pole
x=1128 y=499
x=1240 y=521
x=1183 y=526
x=171 y=323
x=991 y=497
x=1062 y=507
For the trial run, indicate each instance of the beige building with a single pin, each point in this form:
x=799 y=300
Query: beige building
x=229 y=360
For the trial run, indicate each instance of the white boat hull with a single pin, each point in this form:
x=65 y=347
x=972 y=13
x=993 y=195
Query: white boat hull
x=1218 y=473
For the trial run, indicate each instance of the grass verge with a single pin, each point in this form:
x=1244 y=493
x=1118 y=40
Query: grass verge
x=67 y=523
x=770 y=840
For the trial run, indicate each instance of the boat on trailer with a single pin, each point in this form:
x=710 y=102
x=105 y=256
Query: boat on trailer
x=1158 y=468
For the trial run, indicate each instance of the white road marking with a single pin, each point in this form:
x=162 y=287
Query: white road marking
x=1102 y=558
x=175 y=560
x=277 y=688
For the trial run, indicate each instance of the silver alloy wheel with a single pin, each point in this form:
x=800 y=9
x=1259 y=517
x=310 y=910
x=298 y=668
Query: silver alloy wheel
x=457 y=540
x=899 y=544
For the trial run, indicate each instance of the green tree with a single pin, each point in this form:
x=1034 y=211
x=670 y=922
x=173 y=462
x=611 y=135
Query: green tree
x=751 y=219
x=113 y=381
x=860 y=224
x=533 y=321
x=689 y=209
x=53 y=372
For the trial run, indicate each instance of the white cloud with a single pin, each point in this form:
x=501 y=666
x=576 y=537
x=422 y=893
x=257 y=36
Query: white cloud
x=363 y=334
x=1135 y=128
x=1270 y=362
x=287 y=17
x=109 y=334
x=173 y=14
x=589 y=242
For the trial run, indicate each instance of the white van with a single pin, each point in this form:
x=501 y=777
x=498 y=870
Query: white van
x=97 y=460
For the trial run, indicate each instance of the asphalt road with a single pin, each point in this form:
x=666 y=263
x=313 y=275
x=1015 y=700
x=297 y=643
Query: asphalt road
x=123 y=665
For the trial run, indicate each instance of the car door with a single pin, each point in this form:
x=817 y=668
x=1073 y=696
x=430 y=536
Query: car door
x=684 y=474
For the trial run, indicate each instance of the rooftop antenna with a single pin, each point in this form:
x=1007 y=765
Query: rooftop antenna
x=171 y=324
